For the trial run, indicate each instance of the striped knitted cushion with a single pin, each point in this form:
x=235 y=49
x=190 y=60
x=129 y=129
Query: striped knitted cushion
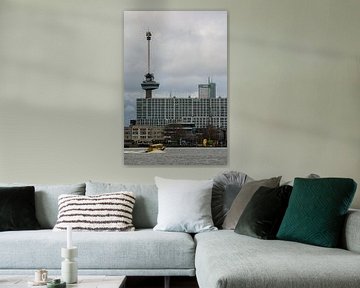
x=105 y=212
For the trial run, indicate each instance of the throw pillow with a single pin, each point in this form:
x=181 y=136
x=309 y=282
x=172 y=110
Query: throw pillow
x=263 y=215
x=184 y=205
x=316 y=211
x=226 y=187
x=17 y=208
x=105 y=212
x=243 y=198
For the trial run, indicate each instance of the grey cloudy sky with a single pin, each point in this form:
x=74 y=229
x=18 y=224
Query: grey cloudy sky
x=187 y=47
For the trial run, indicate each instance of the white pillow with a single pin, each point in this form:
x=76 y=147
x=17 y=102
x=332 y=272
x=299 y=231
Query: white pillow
x=184 y=205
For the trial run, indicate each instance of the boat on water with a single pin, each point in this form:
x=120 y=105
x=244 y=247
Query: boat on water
x=155 y=148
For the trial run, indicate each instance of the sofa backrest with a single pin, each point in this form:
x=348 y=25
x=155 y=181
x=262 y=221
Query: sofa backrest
x=46 y=200
x=146 y=203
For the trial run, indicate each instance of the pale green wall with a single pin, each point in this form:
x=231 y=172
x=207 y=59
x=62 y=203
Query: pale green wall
x=294 y=88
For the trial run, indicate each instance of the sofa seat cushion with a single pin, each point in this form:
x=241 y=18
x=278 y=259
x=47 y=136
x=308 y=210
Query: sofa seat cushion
x=226 y=259
x=143 y=249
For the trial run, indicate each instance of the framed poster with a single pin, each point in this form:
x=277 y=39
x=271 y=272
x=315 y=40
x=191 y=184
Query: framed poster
x=175 y=88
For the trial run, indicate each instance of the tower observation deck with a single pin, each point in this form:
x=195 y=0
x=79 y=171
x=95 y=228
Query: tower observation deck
x=149 y=83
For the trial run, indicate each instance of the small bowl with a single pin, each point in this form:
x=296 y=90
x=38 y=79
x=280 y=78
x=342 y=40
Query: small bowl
x=56 y=283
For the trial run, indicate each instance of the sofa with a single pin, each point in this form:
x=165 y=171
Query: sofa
x=225 y=259
x=218 y=258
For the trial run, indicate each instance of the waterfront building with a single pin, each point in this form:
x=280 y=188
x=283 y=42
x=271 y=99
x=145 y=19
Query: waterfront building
x=159 y=112
x=140 y=135
x=181 y=134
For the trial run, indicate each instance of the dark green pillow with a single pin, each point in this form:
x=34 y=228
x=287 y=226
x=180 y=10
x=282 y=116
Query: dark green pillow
x=264 y=212
x=316 y=211
x=17 y=208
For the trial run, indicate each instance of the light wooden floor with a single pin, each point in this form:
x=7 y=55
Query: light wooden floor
x=158 y=282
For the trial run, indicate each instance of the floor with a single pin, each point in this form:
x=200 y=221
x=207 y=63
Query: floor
x=158 y=282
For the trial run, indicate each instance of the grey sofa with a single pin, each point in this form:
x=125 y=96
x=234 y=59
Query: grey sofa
x=142 y=252
x=226 y=259
x=218 y=259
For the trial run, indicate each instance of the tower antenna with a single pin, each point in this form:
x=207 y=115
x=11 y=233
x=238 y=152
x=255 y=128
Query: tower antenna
x=149 y=83
x=148 y=38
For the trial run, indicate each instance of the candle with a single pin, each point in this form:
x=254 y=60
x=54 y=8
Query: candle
x=69 y=237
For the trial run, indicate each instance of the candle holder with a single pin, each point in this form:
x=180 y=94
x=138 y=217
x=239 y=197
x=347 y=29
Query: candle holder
x=69 y=272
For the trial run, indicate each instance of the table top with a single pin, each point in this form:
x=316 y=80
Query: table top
x=84 y=281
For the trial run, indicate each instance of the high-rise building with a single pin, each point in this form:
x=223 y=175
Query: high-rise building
x=201 y=112
x=207 y=91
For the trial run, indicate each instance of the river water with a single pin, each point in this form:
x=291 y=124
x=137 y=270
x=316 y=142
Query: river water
x=176 y=156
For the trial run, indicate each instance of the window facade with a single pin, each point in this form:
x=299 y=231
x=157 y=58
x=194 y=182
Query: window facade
x=164 y=111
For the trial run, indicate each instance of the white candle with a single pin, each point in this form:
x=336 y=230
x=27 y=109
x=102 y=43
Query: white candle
x=69 y=237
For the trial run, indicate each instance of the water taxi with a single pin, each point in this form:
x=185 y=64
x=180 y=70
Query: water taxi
x=155 y=148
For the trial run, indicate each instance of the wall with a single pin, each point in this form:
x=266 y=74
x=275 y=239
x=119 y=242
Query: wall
x=294 y=88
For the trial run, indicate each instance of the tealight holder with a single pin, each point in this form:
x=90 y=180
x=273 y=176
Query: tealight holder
x=69 y=271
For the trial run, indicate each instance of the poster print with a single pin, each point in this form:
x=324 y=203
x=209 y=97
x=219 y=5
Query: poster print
x=175 y=88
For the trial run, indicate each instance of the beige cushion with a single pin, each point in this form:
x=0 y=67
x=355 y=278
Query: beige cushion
x=243 y=198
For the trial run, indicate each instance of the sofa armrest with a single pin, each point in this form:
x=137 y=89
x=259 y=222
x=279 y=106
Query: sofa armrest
x=351 y=233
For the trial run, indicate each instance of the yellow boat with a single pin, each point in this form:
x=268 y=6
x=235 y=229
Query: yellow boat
x=155 y=147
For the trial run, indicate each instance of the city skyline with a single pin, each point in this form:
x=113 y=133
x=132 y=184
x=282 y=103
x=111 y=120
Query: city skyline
x=187 y=47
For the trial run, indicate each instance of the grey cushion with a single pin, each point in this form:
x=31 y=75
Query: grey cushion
x=310 y=176
x=46 y=200
x=225 y=259
x=184 y=205
x=226 y=187
x=146 y=204
x=351 y=236
x=142 y=249
x=243 y=198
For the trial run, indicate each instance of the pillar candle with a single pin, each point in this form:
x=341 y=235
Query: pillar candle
x=69 y=237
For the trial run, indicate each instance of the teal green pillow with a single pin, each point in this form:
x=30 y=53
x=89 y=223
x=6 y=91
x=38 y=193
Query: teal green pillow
x=316 y=211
